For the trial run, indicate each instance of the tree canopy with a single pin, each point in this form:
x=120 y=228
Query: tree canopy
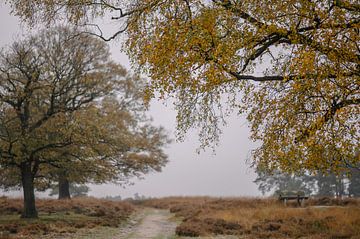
x=292 y=65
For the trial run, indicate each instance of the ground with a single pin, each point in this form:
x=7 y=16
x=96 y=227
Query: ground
x=253 y=218
x=182 y=217
x=59 y=218
x=147 y=223
x=150 y=223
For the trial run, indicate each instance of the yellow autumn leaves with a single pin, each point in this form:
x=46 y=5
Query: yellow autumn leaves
x=292 y=65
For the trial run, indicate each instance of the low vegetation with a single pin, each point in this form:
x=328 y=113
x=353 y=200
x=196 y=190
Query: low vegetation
x=263 y=218
x=60 y=217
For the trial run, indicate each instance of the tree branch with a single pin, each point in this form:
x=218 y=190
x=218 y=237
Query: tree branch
x=329 y=114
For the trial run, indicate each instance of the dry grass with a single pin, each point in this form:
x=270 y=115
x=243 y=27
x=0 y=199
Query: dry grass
x=263 y=218
x=58 y=217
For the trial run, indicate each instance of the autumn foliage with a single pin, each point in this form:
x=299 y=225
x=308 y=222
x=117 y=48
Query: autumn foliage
x=292 y=66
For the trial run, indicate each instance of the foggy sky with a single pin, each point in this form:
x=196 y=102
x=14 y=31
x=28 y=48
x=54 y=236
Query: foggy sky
x=224 y=173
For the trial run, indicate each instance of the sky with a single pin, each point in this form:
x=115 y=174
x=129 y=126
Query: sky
x=223 y=173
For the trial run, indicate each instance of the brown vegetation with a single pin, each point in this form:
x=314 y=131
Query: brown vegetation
x=263 y=218
x=60 y=216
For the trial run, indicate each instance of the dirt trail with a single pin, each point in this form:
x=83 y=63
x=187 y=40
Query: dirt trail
x=147 y=223
x=150 y=224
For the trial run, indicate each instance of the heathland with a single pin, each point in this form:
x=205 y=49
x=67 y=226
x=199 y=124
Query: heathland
x=203 y=217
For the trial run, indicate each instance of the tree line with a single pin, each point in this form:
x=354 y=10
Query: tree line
x=319 y=184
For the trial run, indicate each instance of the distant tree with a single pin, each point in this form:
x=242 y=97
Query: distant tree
x=56 y=111
x=278 y=181
x=354 y=183
x=125 y=142
x=320 y=184
x=74 y=190
x=340 y=186
x=139 y=197
x=9 y=179
x=304 y=103
x=79 y=190
x=114 y=198
x=330 y=185
x=325 y=184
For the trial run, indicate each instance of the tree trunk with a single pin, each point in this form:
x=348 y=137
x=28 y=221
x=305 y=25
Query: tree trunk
x=27 y=179
x=64 y=187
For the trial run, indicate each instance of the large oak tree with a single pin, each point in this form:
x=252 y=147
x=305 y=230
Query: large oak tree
x=64 y=104
x=292 y=65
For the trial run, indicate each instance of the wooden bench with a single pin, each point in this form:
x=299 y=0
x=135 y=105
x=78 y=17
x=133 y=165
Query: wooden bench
x=293 y=195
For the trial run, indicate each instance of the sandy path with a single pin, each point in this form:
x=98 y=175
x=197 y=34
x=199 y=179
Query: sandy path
x=152 y=224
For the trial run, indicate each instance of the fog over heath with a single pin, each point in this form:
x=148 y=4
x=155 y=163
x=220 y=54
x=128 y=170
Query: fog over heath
x=224 y=173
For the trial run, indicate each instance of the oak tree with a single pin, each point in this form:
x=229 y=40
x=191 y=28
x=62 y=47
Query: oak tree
x=122 y=142
x=74 y=190
x=292 y=65
x=58 y=109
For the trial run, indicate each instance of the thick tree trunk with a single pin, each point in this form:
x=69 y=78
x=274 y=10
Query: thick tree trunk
x=29 y=192
x=64 y=187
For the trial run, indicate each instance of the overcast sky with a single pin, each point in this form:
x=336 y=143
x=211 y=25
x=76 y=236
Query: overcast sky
x=224 y=173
